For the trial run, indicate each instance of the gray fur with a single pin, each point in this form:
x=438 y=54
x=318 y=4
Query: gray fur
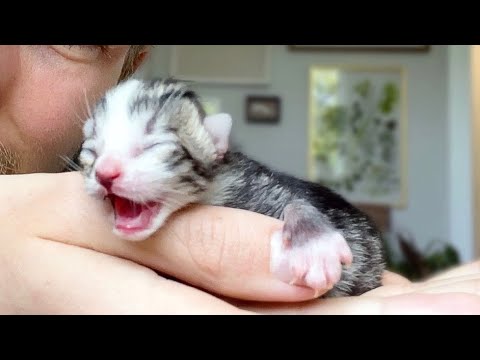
x=240 y=182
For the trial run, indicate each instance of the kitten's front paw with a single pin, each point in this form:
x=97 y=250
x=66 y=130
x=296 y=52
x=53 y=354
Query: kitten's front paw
x=308 y=252
x=316 y=264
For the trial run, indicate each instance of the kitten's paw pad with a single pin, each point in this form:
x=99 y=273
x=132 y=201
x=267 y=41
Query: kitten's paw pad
x=316 y=264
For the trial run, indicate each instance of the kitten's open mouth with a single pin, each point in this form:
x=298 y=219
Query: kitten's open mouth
x=131 y=217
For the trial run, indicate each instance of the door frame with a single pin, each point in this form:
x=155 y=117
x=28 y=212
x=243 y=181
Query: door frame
x=475 y=101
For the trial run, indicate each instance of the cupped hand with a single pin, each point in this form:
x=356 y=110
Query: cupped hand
x=47 y=277
x=60 y=256
x=221 y=250
x=43 y=273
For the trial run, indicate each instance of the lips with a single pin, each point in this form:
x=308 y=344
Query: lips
x=131 y=217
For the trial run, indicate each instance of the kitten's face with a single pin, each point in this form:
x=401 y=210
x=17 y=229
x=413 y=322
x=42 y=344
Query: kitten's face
x=144 y=152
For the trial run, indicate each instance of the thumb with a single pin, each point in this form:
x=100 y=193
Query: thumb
x=223 y=250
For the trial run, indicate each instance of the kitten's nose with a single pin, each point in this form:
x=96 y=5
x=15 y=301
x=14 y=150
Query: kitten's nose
x=108 y=171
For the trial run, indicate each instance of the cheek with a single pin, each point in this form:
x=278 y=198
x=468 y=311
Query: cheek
x=8 y=67
x=50 y=103
x=46 y=128
x=45 y=119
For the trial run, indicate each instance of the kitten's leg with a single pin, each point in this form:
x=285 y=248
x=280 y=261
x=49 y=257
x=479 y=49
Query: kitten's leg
x=309 y=251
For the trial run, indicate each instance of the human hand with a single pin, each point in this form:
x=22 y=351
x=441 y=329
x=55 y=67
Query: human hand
x=452 y=292
x=224 y=251
x=43 y=275
x=50 y=231
x=221 y=250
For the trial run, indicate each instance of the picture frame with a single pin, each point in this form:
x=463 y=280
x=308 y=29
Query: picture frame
x=357 y=132
x=362 y=48
x=221 y=64
x=263 y=109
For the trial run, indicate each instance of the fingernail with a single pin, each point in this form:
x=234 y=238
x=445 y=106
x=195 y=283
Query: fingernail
x=282 y=291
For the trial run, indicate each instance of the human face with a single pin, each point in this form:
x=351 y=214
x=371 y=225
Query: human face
x=44 y=91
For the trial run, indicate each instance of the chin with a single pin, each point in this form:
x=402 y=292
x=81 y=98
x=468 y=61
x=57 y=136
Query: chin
x=142 y=233
x=131 y=219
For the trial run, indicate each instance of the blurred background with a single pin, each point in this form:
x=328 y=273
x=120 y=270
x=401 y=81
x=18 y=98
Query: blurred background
x=393 y=128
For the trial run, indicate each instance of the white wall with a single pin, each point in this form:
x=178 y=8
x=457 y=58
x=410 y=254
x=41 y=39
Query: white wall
x=431 y=170
x=460 y=154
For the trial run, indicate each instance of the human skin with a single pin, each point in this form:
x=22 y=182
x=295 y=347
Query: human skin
x=43 y=98
x=59 y=256
x=56 y=249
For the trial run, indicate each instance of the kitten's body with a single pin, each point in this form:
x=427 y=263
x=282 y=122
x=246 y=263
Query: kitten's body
x=189 y=162
x=240 y=182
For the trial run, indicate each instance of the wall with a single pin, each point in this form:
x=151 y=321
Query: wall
x=475 y=99
x=284 y=147
x=459 y=130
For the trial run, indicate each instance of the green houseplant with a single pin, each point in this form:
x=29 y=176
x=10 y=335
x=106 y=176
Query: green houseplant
x=415 y=264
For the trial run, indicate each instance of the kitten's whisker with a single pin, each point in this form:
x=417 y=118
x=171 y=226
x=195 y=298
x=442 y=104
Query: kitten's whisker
x=175 y=201
x=174 y=204
x=80 y=122
x=171 y=191
x=87 y=103
x=70 y=163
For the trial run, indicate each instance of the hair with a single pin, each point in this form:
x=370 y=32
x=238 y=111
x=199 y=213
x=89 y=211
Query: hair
x=129 y=66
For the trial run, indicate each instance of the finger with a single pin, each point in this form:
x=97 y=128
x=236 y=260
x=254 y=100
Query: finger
x=466 y=284
x=56 y=278
x=472 y=268
x=391 y=278
x=406 y=304
x=226 y=251
x=392 y=284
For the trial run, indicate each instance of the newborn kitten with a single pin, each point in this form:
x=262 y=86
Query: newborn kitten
x=151 y=150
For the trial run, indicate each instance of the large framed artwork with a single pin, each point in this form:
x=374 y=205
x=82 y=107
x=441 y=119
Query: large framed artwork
x=357 y=48
x=357 y=132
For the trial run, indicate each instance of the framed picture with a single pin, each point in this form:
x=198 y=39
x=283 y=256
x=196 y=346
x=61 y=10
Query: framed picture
x=263 y=109
x=222 y=64
x=357 y=48
x=357 y=132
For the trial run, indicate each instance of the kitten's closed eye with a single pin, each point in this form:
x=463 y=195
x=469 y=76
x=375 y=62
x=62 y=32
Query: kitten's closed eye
x=159 y=143
x=91 y=152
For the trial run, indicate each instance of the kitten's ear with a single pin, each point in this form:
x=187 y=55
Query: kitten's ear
x=219 y=127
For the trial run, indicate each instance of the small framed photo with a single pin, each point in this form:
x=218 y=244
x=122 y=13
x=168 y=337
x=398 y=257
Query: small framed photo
x=264 y=109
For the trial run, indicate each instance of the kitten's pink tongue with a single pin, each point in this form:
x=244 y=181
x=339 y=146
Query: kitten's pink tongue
x=130 y=216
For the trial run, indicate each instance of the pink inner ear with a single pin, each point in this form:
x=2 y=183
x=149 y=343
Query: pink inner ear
x=219 y=127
